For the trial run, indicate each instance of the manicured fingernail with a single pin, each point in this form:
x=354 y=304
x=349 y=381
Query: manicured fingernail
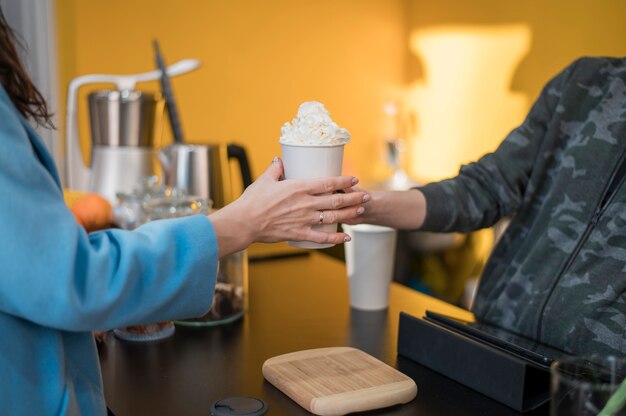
x=360 y=211
x=366 y=197
x=275 y=160
x=355 y=181
x=346 y=239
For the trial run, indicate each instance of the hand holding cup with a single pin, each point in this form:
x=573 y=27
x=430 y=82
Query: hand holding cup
x=312 y=147
x=272 y=210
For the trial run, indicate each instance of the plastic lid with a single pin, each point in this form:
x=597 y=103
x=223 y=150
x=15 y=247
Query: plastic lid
x=241 y=406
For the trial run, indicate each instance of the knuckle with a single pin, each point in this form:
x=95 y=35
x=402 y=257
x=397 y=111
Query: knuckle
x=347 y=215
x=329 y=186
x=303 y=235
x=330 y=217
x=336 y=201
x=315 y=237
x=301 y=204
x=356 y=198
x=318 y=239
x=325 y=238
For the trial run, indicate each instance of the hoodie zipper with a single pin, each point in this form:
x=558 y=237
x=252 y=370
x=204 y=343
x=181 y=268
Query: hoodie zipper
x=603 y=202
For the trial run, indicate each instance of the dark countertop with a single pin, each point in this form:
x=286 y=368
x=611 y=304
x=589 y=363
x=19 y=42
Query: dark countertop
x=295 y=303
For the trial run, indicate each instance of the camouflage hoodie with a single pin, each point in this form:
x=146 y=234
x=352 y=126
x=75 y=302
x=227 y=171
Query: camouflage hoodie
x=558 y=273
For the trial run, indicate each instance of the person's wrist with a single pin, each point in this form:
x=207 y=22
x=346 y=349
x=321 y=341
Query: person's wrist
x=247 y=225
x=397 y=209
x=233 y=232
x=420 y=207
x=374 y=209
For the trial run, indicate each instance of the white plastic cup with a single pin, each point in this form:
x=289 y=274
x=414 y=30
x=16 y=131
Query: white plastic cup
x=312 y=162
x=370 y=257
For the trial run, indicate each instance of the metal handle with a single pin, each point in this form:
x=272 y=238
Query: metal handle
x=239 y=153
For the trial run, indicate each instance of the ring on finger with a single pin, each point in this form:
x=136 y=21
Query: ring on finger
x=320 y=220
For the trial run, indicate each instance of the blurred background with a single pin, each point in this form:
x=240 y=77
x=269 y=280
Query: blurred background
x=423 y=85
x=262 y=59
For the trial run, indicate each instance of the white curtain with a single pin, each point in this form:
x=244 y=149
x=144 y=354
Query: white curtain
x=34 y=21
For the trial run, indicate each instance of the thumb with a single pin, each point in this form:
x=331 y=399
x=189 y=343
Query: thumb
x=275 y=171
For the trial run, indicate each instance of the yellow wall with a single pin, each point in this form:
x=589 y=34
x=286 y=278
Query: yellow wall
x=559 y=31
x=562 y=30
x=261 y=59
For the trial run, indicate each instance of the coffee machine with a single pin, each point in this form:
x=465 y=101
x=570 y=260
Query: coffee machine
x=124 y=124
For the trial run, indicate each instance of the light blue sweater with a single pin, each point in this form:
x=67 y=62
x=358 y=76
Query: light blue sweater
x=57 y=283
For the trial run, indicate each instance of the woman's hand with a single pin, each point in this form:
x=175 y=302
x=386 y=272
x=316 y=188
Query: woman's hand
x=272 y=210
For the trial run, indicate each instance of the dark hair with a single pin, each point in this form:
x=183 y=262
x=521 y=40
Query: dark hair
x=13 y=77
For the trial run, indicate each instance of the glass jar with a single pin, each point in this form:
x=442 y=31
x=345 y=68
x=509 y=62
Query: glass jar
x=231 y=286
x=175 y=204
x=169 y=204
x=130 y=210
x=230 y=297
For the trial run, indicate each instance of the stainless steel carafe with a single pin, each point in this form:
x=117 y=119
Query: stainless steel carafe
x=123 y=118
x=203 y=170
x=124 y=125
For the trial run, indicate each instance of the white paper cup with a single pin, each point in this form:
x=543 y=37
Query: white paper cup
x=312 y=162
x=370 y=259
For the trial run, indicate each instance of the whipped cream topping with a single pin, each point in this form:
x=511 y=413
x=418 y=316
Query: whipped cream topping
x=313 y=127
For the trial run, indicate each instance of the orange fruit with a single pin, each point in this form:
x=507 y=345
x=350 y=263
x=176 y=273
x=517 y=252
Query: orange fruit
x=93 y=212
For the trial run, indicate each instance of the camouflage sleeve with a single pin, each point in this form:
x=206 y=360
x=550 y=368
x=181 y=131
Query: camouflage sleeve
x=494 y=186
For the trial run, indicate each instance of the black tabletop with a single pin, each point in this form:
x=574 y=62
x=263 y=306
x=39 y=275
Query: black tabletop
x=294 y=304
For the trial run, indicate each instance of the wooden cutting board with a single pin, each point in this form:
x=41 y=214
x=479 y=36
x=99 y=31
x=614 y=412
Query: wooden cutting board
x=338 y=380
